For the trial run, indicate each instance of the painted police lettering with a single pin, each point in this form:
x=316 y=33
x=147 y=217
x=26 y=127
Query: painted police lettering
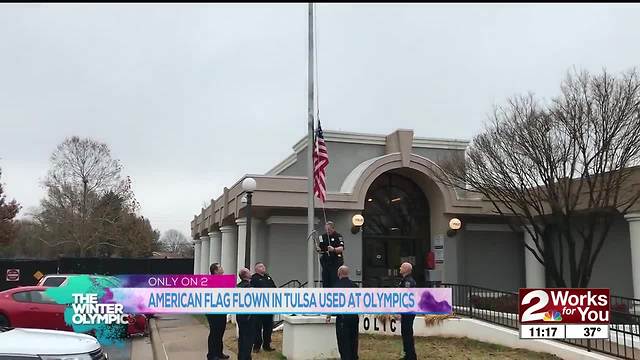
x=393 y=325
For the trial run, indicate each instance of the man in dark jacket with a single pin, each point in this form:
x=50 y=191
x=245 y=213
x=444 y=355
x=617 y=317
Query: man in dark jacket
x=217 y=325
x=264 y=322
x=246 y=326
x=347 y=324
x=332 y=248
x=406 y=320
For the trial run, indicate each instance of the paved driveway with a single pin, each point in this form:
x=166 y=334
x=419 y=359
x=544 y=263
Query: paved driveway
x=119 y=352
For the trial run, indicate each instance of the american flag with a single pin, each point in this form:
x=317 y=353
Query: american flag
x=320 y=162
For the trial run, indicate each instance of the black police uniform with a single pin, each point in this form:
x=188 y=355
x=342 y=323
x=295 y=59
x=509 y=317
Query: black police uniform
x=347 y=328
x=246 y=329
x=264 y=322
x=330 y=261
x=406 y=324
x=217 y=326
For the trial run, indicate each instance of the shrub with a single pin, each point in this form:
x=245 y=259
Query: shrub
x=504 y=303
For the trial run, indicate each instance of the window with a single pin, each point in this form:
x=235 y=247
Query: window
x=22 y=296
x=395 y=206
x=54 y=281
x=40 y=297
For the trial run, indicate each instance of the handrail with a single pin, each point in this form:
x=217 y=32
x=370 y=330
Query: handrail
x=288 y=283
x=498 y=307
x=475 y=302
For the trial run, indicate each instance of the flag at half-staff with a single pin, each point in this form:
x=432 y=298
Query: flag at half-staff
x=320 y=162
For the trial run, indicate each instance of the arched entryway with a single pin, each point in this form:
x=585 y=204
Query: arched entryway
x=396 y=229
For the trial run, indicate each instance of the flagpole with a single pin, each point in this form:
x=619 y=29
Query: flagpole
x=310 y=195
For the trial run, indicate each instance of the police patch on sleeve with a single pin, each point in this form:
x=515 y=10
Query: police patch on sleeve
x=407 y=284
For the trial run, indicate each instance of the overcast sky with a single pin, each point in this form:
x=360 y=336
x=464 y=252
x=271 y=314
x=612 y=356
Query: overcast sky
x=191 y=97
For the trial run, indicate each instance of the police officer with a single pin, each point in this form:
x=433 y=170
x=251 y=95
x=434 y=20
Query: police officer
x=264 y=322
x=246 y=325
x=332 y=248
x=406 y=320
x=347 y=324
x=217 y=325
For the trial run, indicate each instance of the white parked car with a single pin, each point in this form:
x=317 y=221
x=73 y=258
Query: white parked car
x=36 y=344
x=56 y=280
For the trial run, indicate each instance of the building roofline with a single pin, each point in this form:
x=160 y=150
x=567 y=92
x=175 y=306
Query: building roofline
x=367 y=139
x=377 y=139
x=283 y=165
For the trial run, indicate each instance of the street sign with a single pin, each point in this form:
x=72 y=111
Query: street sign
x=13 y=275
x=38 y=275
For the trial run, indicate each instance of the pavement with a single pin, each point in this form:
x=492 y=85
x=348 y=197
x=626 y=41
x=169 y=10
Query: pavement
x=179 y=337
x=141 y=349
x=138 y=348
x=119 y=352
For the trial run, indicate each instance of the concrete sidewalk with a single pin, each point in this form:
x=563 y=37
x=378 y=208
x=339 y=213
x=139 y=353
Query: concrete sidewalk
x=141 y=349
x=180 y=337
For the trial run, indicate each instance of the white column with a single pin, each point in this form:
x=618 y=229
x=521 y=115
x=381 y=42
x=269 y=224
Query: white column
x=242 y=240
x=256 y=242
x=534 y=270
x=196 y=256
x=229 y=249
x=634 y=240
x=204 y=255
x=215 y=246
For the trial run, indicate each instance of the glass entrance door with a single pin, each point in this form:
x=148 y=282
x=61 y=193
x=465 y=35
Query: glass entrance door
x=396 y=229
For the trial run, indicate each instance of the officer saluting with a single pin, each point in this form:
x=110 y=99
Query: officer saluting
x=406 y=320
x=332 y=248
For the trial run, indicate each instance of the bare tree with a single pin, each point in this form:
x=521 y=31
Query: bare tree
x=560 y=169
x=85 y=195
x=8 y=211
x=175 y=242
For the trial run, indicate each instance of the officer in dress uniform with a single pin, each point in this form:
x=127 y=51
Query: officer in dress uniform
x=406 y=320
x=246 y=325
x=347 y=324
x=332 y=248
x=264 y=322
x=217 y=325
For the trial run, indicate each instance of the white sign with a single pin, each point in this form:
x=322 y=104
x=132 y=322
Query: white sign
x=439 y=254
x=13 y=275
x=438 y=241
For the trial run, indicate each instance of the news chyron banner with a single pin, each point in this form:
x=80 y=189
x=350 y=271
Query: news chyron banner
x=564 y=313
x=102 y=305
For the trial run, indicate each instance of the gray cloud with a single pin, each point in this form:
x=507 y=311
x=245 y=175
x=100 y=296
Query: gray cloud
x=190 y=97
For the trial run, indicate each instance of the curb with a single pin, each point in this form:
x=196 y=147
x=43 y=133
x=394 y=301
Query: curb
x=156 y=342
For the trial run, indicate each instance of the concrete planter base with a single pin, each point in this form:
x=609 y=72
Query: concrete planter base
x=309 y=337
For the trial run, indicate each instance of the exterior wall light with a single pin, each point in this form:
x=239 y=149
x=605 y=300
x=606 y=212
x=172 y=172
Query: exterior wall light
x=356 y=223
x=454 y=225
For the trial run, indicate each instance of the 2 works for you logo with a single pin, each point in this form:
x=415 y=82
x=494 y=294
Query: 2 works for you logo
x=567 y=306
x=87 y=311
